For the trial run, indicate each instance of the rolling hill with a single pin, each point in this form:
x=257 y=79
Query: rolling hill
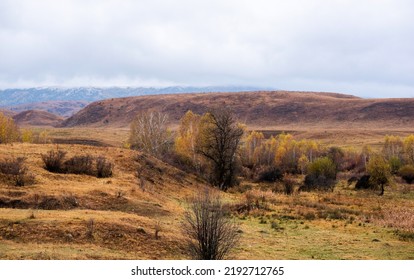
x=37 y=118
x=60 y=108
x=261 y=109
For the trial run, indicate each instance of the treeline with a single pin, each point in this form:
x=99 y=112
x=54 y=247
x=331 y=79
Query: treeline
x=221 y=149
x=10 y=132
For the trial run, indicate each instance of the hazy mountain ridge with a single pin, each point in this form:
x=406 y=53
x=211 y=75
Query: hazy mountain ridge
x=13 y=97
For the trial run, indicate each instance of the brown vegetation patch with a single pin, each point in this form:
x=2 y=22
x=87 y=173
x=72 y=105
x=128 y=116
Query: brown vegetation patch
x=115 y=236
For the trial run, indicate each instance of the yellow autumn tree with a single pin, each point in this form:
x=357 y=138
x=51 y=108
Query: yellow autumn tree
x=266 y=153
x=303 y=163
x=251 y=148
x=185 y=142
x=8 y=130
x=408 y=146
x=27 y=136
x=393 y=147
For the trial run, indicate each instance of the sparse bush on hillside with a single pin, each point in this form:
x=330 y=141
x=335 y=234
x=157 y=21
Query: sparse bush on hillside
x=103 y=167
x=321 y=175
x=14 y=171
x=84 y=164
x=407 y=173
x=53 y=160
x=211 y=233
x=80 y=165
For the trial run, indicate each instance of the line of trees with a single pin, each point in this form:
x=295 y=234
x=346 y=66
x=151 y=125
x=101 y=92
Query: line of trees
x=218 y=147
x=10 y=132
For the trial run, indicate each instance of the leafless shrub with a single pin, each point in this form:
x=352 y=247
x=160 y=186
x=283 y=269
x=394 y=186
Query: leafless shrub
x=211 y=234
x=32 y=215
x=53 y=160
x=288 y=183
x=80 y=165
x=119 y=194
x=90 y=228
x=15 y=172
x=141 y=179
x=103 y=167
x=83 y=164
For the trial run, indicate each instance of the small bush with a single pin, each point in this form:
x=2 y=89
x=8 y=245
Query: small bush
x=90 y=228
x=271 y=174
x=407 y=173
x=211 y=234
x=53 y=160
x=321 y=175
x=80 y=165
x=364 y=183
x=103 y=167
x=84 y=164
x=395 y=164
x=288 y=183
x=14 y=171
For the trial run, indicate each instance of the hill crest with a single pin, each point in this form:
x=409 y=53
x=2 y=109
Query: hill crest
x=37 y=118
x=257 y=109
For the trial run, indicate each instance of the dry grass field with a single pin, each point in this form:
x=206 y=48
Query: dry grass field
x=68 y=216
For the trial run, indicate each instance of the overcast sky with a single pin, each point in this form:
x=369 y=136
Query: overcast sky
x=363 y=47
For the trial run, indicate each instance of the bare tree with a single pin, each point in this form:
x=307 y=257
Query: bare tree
x=211 y=233
x=149 y=133
x=218 y=142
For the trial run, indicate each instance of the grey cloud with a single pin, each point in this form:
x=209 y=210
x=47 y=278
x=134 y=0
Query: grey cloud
x=357 y=47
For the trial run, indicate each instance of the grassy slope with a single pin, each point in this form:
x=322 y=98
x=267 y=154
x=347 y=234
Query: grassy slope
x=263 y=109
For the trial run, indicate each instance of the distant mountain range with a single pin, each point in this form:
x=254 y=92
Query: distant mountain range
x=14 y=97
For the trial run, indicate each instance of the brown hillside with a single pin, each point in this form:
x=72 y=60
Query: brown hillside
x=37 y=118
x=262 y=109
